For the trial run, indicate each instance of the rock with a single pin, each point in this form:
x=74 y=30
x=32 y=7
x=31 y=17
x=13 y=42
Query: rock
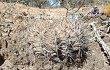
x=103 y=17
x=106 y=39
x=7 y=63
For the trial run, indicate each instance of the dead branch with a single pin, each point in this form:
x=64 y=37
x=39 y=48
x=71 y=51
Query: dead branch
x=100 y=41
x=108 y=30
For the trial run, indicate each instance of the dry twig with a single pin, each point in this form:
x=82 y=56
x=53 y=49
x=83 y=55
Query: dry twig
x=100 y=41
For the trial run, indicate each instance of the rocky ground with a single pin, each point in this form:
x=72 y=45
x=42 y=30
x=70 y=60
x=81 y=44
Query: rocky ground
x=20 y=31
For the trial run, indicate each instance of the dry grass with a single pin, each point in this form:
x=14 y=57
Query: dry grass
x=107 y=12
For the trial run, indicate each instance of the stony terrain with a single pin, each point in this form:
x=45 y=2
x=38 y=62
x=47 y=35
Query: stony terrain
x=20 y=31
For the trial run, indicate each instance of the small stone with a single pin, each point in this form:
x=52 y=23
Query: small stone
x=103 y=17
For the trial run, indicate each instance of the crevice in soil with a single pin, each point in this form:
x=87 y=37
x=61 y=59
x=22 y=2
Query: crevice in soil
x=2 y=60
